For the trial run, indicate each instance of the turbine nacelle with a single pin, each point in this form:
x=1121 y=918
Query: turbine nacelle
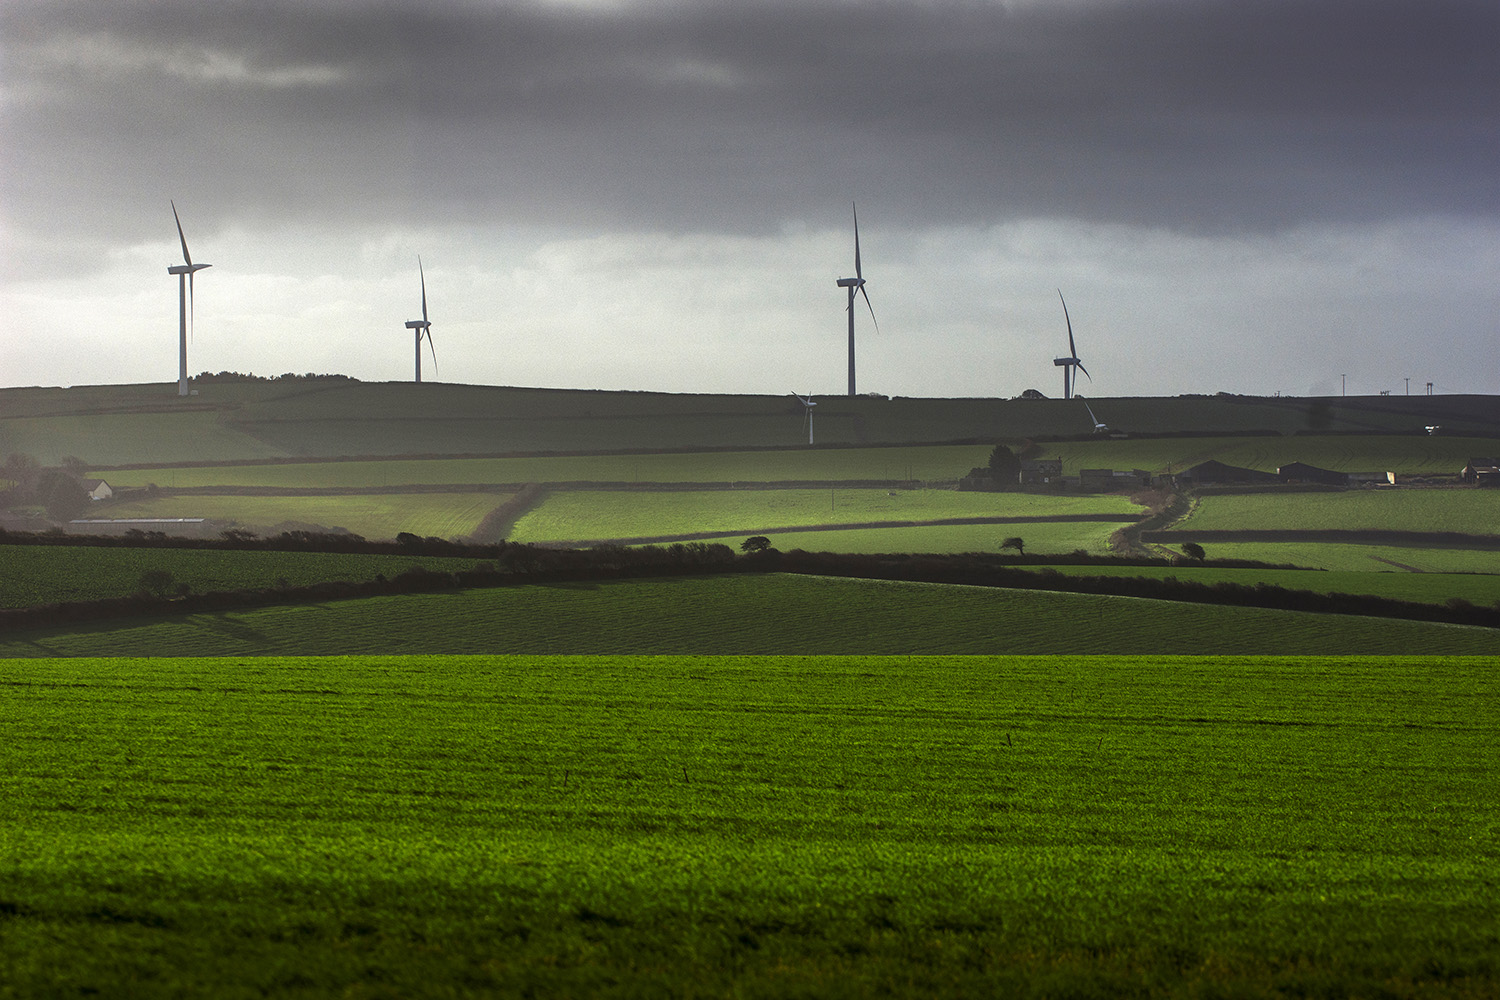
x=417 y=324
x=850 y=282
x=186 y=268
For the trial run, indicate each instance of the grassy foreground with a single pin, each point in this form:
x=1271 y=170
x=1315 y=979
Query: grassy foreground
x=838 y=826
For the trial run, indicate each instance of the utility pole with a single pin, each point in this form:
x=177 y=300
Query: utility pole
x=1408 y=385
x=1341 y=384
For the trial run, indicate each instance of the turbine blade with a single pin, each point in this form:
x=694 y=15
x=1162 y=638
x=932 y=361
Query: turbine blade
x=1072 y=351
x=857 y=272
x=1084 y=370
x=423 y=276
x=187 y=257
x=872 y=308
x=428 y=331
x=192 y=317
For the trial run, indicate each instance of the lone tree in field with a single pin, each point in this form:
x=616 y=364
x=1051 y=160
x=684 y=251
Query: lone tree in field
x=156 y=582
x=755 y=543
x=1004 y=465
x=1193 y=550
x=1014 y=543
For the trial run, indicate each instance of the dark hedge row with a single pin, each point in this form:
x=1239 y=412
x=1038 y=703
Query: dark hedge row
x=509 y=564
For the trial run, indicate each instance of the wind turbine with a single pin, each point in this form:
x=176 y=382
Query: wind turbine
x=1098 y=427
x=1071 y=361
x=807 y=408
x=184 y=272
x=423 y=326
x=856 y=284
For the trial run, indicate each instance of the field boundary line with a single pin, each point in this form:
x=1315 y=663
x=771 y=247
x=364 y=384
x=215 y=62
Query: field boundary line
x=850 y=526
x=1399 y=539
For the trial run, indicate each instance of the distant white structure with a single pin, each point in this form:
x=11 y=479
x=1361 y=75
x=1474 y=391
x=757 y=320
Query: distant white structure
x=184 y=272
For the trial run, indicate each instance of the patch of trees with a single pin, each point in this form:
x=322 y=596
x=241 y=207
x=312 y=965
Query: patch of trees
x=227 y=376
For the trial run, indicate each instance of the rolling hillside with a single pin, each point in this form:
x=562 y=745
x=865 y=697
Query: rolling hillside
x=236 y=421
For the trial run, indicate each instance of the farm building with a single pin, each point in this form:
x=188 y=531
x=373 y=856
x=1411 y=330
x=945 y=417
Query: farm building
x=1214 y=471
x=1301 y=472
x=1040 y=471
x=1481 y=471
x=1109 y=480
x=97 y=489
x=180 y=527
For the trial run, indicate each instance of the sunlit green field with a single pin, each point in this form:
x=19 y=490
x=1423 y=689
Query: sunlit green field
x=1471 y=511
x=1429 y=588
x=43 y=574
x=840 y=827
x=1357 y=558
x=574 y=515
x=382 y=515
x=946 y=462
x=1038 y=536
x=1414 y=456
x=751 y=615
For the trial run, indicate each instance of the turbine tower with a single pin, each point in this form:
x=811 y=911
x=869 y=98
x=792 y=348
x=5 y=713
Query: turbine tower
x=423 y=326
x=1071 y=361
x=184 y=272
x=856 y=284
x=807 y=410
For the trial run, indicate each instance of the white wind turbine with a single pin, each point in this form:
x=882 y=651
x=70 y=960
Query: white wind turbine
x=184 y=272
x=423 y=326
x=1071 y=361
x=856 y=284
x=807 y=414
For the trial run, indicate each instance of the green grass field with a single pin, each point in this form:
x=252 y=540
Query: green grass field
x=130 y=438
x=1464 y=510
x=1405 y=454
x=1356 y=558
x=945 y=462
x=1429 y=588
x=1412 y=456
x=1039 y=536
x=375 y=516
x=751 y=615
x=574 y=515
x=831 y=827
x=43 y=574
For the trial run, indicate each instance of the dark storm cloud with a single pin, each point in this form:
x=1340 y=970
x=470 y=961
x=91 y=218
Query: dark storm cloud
x=1208 y=116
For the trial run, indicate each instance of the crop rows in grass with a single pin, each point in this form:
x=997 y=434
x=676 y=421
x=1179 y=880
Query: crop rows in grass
x=373 y=515
x=574 y=515
x=1428 y=588
x=841 y=826
x=1357 y=558
x=36 y=574
x=1038 y=536
x=773 y=614
x=1470 y=511
x=902 y=463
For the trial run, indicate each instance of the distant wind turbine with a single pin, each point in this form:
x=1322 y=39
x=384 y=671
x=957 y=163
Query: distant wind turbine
x=1071 y=361
x=856 y=284
x=423 y=326
x=807 y=408
x=184 y=272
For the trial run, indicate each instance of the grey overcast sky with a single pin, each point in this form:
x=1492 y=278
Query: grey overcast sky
x=1249 y=196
